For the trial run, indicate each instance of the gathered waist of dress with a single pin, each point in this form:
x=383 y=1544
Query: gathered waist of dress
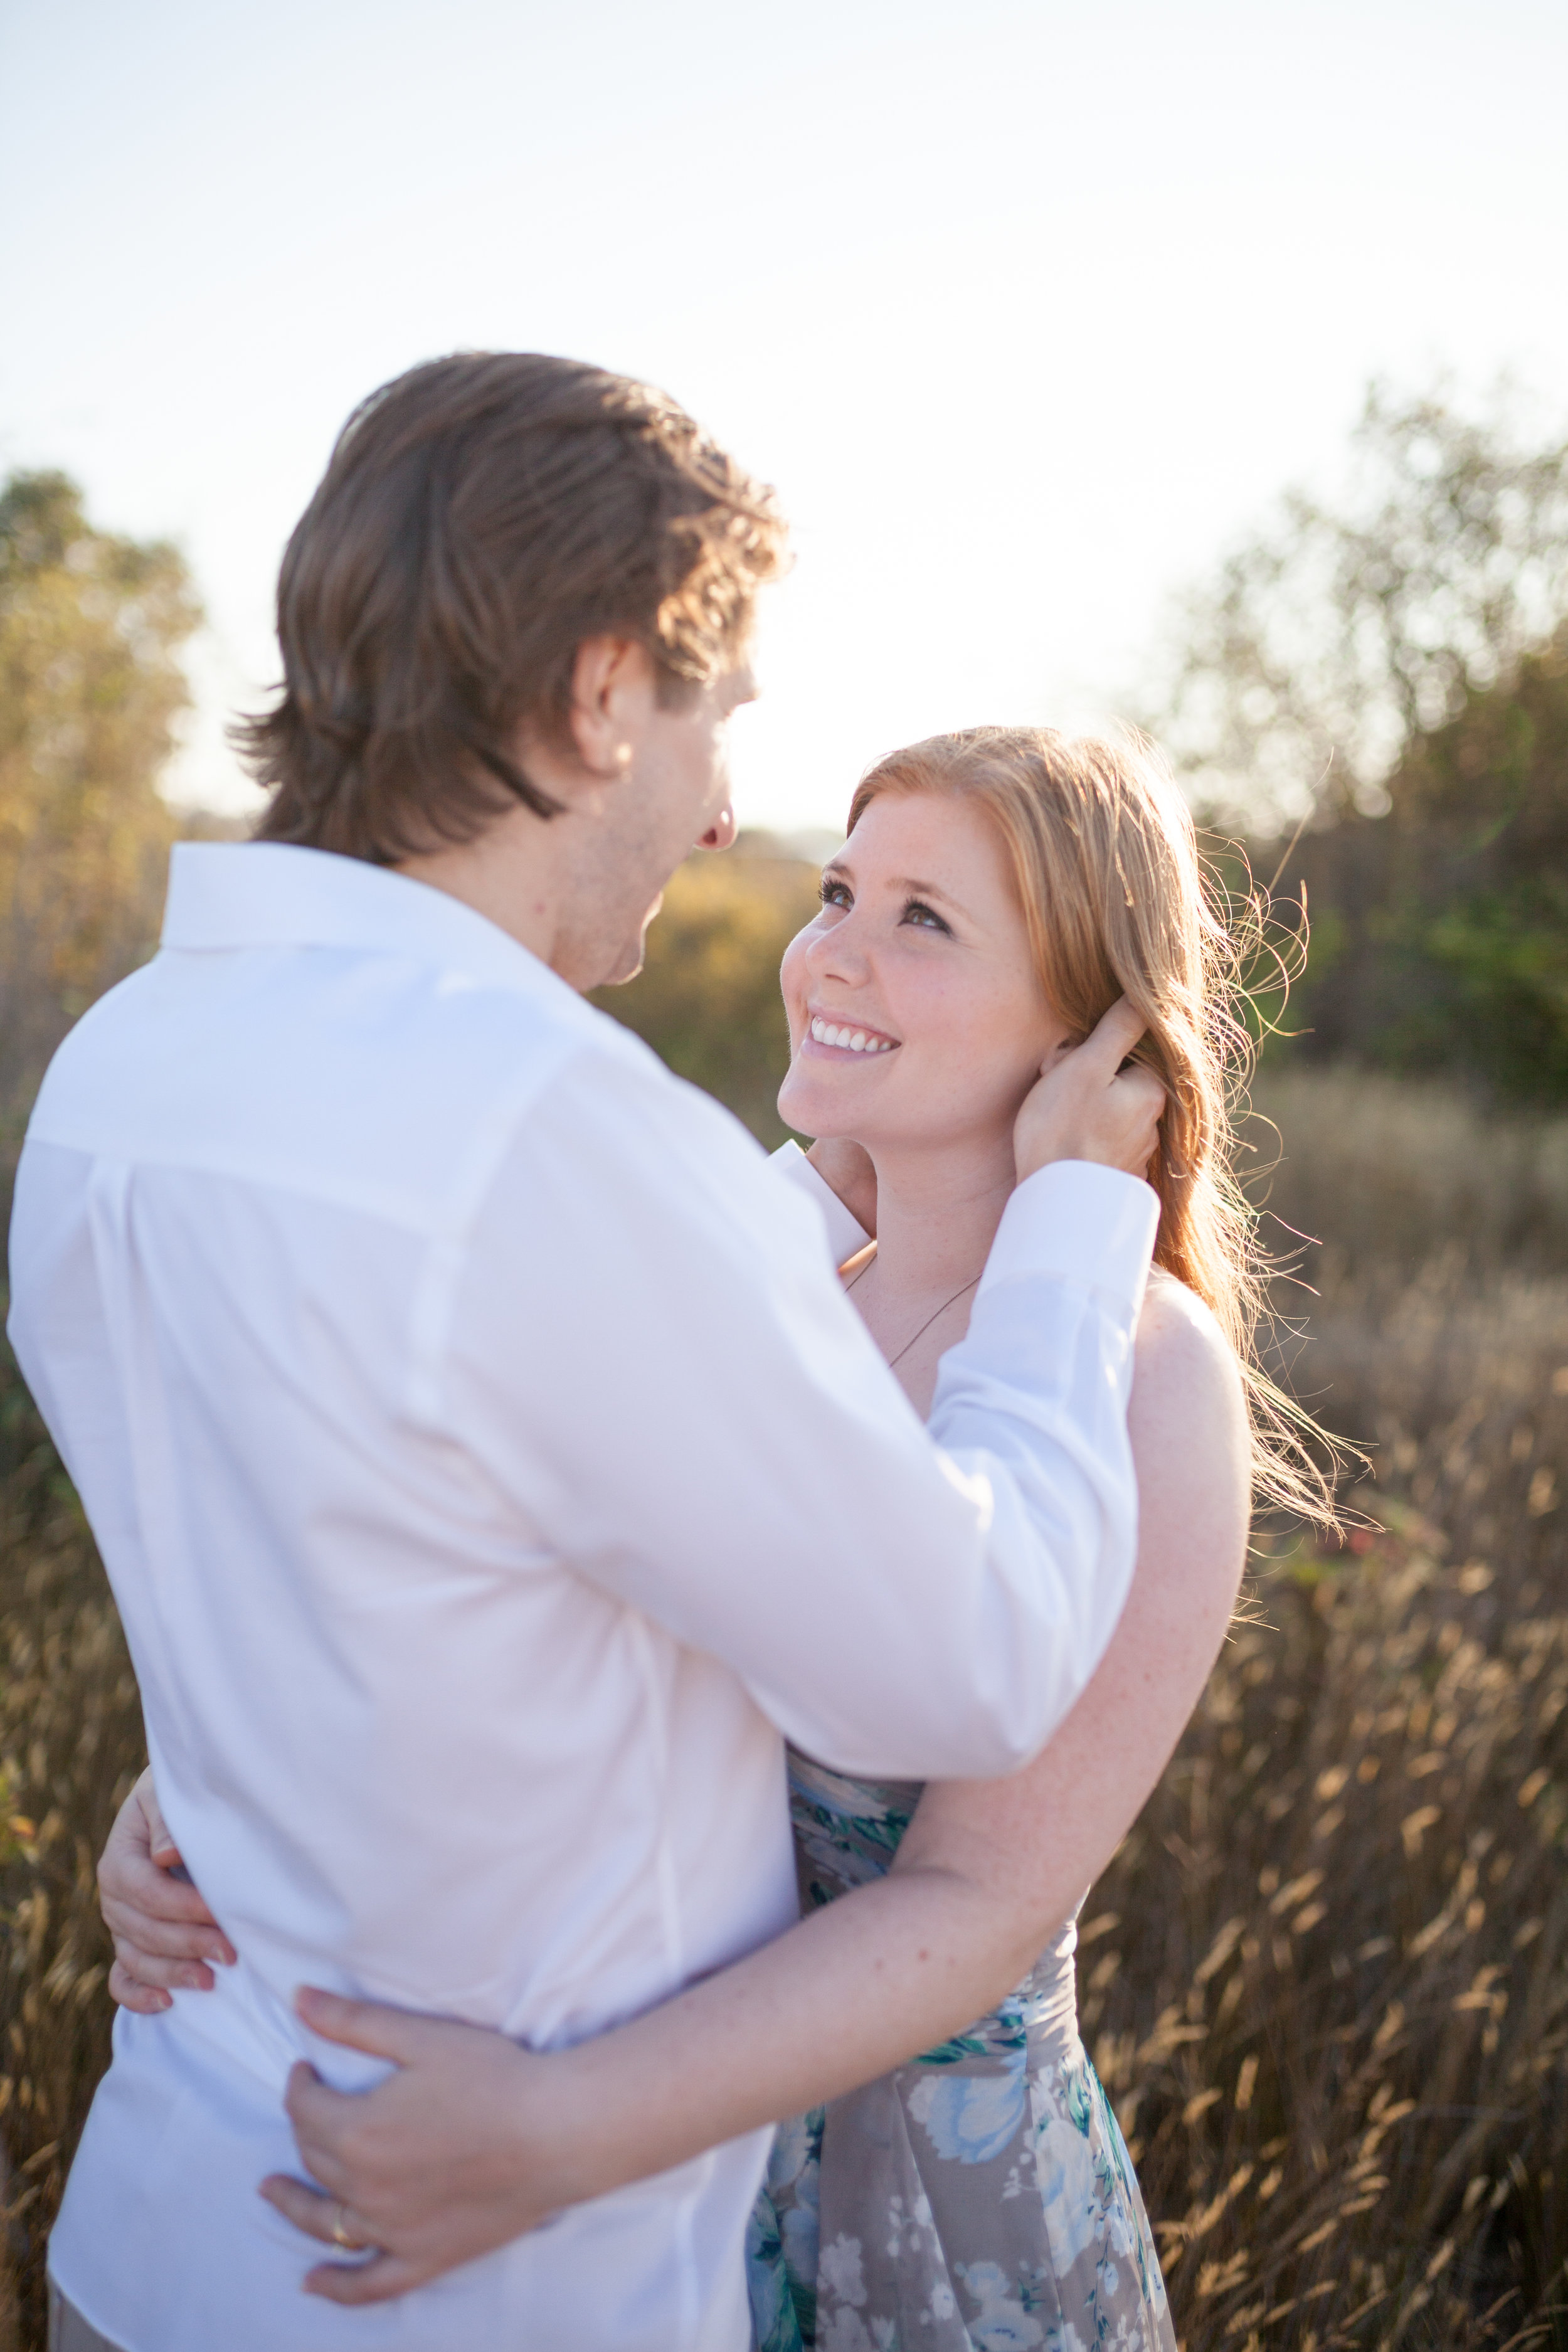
x=1047 y=1998
x=847 y=1833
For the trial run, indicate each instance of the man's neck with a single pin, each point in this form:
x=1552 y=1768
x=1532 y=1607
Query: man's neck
x=506 y=874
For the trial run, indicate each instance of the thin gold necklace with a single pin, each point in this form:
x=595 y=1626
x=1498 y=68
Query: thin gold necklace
x=925 y=1327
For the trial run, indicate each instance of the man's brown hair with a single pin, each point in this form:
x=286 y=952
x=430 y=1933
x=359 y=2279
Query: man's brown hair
x=480 y=517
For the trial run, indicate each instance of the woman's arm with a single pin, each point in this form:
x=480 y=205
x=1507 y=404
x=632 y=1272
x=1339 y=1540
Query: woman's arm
x=472 y=2142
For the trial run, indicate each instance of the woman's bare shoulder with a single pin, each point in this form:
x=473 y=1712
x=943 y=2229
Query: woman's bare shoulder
x=1191 y=1447
x=1179 y=1341
x=1169 y=1307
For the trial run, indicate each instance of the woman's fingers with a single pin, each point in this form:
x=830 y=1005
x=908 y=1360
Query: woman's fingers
x=374 y=2278
x=127 y=1873
x=318 y=2214
x=164 y=1936
x=319 y=2114
x=1138 y=1094
x=163 y=1850
x=1143 y=1099
x=376 y=2281
x=147 y=1969
x=158 y=1938
x=161 y=1952
x=134 y=1884
x=1113 y=1037
x=368 y=2025
x=1086 y=1106
x=145 y=1999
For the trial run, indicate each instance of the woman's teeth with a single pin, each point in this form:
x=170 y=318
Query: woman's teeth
x=858 y=1041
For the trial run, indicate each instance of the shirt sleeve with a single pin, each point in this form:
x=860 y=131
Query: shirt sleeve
x=846 y=1234
x=651 y=1356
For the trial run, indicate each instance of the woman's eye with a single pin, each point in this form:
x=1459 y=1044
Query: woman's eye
x=835 y=894
x=927 y=918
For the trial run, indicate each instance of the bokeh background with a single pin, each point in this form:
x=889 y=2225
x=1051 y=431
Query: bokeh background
x=1199 y=367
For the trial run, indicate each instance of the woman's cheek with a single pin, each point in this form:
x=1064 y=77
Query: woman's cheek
x=793 y=980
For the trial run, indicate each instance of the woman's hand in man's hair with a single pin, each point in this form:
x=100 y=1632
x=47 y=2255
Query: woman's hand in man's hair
x=1090 y=1103
x=166 y=1939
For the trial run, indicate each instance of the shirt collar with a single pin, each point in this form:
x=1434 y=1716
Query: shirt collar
x=243 y=894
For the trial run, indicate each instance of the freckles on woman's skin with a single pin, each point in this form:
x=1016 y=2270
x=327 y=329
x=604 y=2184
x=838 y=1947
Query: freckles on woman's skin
x=922 y=941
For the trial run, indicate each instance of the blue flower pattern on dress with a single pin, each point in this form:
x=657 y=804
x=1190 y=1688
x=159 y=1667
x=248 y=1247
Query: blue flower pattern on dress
x=979 y=2199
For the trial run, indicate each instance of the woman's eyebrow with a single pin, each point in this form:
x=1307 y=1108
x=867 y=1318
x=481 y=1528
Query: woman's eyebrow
x=917 y=889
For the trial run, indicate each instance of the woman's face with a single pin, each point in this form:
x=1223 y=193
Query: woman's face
x=915 y=1016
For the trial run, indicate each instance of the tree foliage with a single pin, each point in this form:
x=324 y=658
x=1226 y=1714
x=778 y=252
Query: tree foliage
x=90 y=688
x=1392 y=669
x=1439 y=930
x=1339 y=632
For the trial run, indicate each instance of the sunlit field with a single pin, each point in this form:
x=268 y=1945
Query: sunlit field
x=1324 y=1978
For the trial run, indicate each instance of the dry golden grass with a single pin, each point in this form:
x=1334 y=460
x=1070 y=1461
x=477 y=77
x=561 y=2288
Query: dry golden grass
x=70 y=1743
x=1326 y=1980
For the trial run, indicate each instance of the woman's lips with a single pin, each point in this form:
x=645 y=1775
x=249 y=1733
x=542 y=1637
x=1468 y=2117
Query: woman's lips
x=841 y=1038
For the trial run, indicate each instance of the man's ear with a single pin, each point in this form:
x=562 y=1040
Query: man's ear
x=611 y=683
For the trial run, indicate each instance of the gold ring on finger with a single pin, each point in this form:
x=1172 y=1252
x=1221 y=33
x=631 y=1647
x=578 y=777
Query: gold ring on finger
x=340 y=2236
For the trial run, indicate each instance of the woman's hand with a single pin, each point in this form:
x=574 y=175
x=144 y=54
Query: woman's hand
x=464 y=2148
x=164 y=1936
x=455 y=2154
x=1090 y=1103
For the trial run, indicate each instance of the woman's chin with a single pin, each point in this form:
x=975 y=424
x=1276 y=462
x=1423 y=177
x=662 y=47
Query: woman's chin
x=812 y=1110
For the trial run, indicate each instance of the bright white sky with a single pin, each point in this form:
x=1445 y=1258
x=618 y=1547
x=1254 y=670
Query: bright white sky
x=1025 y=308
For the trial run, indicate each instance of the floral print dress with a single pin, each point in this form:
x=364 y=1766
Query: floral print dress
x=980 y=2200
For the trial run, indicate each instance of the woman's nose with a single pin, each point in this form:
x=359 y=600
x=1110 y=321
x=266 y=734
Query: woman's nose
x=838 y=954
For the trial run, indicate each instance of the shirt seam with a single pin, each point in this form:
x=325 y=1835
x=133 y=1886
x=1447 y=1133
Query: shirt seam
x=294 y=1180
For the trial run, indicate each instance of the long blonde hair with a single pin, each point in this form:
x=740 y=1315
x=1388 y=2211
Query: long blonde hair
x=1106 y=862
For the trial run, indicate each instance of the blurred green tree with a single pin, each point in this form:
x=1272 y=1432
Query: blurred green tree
x=1439 y=930
x=1297 y=678
x=91 y=689
x=1393 y=671
x=708 y=998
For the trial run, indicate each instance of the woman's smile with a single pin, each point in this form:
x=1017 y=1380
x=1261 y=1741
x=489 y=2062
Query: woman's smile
x=835 y=1034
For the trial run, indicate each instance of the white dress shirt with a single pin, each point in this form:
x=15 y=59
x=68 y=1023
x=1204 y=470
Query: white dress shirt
x=489 y=1469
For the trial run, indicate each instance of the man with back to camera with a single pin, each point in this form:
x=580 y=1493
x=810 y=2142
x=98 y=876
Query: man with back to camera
x=436 y=1373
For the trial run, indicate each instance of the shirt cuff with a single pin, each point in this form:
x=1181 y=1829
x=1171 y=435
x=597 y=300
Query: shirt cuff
x=1082 y=1223
x=846 y=1234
